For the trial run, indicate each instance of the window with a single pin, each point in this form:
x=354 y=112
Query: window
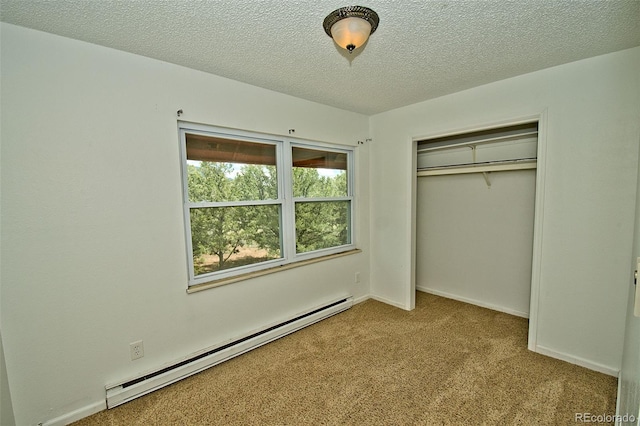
x=321 y=197
x=253 y=202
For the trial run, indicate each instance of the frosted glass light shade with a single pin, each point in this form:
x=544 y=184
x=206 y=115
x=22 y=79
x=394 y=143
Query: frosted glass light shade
x=350 y=33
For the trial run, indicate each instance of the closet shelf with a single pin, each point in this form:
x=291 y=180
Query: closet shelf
x=495 y=166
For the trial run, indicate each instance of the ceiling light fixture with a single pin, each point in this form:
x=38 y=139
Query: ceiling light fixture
x=351 y=26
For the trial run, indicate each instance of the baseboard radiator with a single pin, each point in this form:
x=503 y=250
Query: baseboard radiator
x=127 y=390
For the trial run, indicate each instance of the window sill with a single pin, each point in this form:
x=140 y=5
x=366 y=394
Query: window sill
x=217 y=283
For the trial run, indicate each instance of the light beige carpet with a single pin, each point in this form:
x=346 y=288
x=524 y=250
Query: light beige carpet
x=444 y=363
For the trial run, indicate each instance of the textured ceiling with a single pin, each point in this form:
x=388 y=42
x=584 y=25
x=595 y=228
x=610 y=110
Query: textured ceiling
x=421 y=50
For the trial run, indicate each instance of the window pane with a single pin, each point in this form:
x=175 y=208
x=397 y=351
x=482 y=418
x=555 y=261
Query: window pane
x=229 y=170
x=228 y=237
x=322 y=225
x=319 y=174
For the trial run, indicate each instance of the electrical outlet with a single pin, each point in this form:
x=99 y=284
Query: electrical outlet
x=137 y=350
x=357 y=277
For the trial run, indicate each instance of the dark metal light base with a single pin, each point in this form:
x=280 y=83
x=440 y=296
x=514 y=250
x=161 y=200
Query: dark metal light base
x=349 y=12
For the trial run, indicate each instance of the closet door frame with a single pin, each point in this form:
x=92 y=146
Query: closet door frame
x=536 y=261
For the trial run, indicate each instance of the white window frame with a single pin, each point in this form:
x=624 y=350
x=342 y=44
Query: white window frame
x=285 y=199
x=349 y=197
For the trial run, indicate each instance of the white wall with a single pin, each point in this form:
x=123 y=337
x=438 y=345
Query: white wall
x=93 y=251
x=593 y=110
x=474 y=243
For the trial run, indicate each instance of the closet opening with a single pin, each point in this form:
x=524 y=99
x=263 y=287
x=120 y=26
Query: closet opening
x=477 y=199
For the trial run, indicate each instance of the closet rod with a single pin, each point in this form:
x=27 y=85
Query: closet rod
x=498 y=166
x=459 y=144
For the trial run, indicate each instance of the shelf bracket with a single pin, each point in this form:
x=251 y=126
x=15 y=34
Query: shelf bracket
x=485 y=175
x=486 y=179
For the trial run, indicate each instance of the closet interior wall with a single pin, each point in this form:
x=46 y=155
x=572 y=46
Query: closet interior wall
x=475 y=215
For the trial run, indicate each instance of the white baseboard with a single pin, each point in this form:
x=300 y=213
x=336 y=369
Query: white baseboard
x=388 y=302
x=361 y=299
x=610 y=371
x=78 y=414
x=474 y=302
